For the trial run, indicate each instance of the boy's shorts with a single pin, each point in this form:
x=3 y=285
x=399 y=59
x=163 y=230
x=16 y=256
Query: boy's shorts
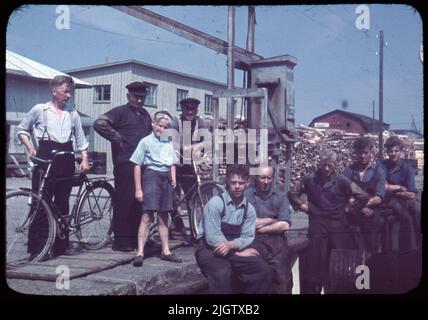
x=157 y=191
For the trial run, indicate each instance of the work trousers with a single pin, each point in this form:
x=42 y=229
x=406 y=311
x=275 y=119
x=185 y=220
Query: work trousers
x=324 y=235
x=407 y=212
x=370 y=228
x=60 y=193
x=274 y=249
x=126 y=209
x=232 y=274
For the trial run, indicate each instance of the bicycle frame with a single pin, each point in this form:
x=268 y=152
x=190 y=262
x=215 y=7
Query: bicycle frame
x=64 y=222
x=190 y=192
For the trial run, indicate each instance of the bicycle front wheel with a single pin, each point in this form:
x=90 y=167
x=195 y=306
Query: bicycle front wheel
x=200 y=198
x=30 y=228
x=94 y=215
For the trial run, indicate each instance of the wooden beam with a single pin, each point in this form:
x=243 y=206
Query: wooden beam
x=243 y=57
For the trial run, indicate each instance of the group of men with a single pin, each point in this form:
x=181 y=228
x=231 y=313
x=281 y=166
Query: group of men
x=242 y=239
x=242 y=245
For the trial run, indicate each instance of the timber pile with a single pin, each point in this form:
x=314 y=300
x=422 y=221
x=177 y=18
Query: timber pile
x=312 y=140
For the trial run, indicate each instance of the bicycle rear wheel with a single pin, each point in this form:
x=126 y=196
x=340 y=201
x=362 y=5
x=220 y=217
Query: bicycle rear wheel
x=30 y=228
x=198 y=202
x=94 y=215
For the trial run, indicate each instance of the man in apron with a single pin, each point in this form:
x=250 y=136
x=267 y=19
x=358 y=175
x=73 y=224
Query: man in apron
x=54 y=125
x=273 y=219
x=189 y=143
x=227 y=229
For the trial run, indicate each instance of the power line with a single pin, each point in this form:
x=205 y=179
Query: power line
x=121 y=34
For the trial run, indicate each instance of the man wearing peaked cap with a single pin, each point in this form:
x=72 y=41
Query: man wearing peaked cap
x=185 y=175
x=124 y=127
x=190 y=103
x=137 y=88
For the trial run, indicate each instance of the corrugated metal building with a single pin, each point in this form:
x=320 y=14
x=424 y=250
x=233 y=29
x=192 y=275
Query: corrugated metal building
x=27 y=84
x=167 y=88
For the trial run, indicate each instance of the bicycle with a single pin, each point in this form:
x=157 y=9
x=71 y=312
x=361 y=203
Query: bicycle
x=89 y=220
x=196 y=198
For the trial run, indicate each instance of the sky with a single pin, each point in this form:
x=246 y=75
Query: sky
x=337 y=62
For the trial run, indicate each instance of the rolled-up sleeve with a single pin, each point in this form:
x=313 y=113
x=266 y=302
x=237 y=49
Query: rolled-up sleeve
x=81 y=142
x=361 y=197
x=380 y=183
x=248 y=229
x=26 y=125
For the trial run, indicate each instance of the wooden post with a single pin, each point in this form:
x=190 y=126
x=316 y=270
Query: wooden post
x=230 y=63
x=381 y=44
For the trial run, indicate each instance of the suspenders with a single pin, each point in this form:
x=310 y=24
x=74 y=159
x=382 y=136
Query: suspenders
x=45 y=124
x=245 y=210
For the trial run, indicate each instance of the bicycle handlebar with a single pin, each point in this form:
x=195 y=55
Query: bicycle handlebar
x=43 y=161
x=36 y=159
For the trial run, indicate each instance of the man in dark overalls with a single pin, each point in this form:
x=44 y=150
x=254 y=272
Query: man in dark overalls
x=54 y=125
x=227 y=229
x=187 y=125
x=369 y=175
x=124 y=127
x=328 y=194
x=273 y=219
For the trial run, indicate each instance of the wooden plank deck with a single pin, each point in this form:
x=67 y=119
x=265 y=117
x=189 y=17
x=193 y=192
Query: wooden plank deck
x=82 y=264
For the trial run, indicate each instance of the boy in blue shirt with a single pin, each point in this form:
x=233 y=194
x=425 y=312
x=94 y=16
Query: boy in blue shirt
x=158 y=157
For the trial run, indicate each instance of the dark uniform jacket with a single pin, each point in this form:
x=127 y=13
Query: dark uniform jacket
x=124 y=127
x=327 y=197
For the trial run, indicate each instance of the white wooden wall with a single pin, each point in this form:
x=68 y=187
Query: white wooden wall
x=119 y=76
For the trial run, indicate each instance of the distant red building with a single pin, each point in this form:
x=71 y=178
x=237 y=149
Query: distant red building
x=347 y=121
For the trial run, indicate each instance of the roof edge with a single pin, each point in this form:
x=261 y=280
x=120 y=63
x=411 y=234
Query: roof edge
x=133 y=61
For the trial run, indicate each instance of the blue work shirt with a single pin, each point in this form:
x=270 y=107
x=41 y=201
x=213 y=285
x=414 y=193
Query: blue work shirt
x=402 y=174
x=210 y=224
x=373 y=180
x=154 y=153
x=273 y=205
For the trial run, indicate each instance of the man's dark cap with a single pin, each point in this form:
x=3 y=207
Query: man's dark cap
x=190 y=103
x=137 y=88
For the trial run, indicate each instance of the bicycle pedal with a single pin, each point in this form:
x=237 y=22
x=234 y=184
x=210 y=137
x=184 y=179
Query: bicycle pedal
x=61 y=234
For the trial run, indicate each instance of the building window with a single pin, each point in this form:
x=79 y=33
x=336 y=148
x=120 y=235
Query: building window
x=151 y=99
x=208 y=106
x=181 y=94
x=102 y=93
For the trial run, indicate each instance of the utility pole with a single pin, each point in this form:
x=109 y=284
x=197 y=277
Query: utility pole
x=374 y=119
x=381 y=44
x=230 y=63
x=249 y=48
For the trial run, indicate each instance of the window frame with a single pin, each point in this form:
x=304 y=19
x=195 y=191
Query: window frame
x=179 y=98
x=155 y=103
x=102 y=87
